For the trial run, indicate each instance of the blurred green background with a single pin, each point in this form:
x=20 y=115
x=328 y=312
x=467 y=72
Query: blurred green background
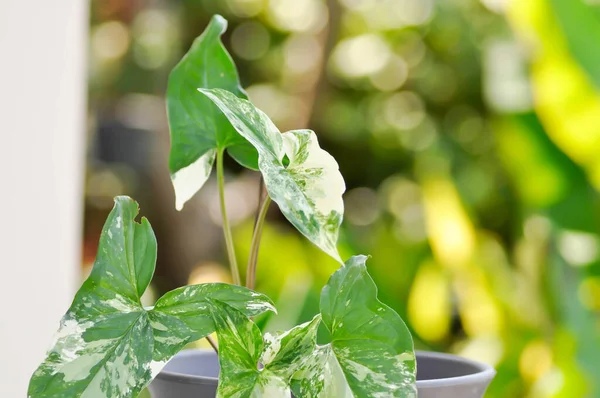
x=468 y=133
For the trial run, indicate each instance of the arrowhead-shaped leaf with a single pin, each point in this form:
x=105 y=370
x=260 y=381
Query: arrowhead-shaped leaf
x=285 y=352
x=106 y=322
x=108 y=345
x=197 y=127
x=190 y=304
x=240 y=348
x=371 y=352
x=242 y=353
x=303 y=179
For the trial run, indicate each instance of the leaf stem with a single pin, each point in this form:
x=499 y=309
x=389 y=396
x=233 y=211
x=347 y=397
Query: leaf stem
x=235 y=272
x=212 y=343
x=255 y=245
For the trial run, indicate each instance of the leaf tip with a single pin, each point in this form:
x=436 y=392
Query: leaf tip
x=123 y=199
x=358 y=260
x=271 y=307
x=145 y=222
x=179 y=203
x=338 y=258
x=219 y=21
x=123 y=202
x=268 y=304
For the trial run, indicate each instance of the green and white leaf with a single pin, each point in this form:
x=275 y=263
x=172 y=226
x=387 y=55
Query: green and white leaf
x=285 y=352
x=371 y=353
x=240 y=348
x=309 y=188
x=321 y=376
x=190 y=304
x=108 y=345
x=190 y=179
x=198 y=129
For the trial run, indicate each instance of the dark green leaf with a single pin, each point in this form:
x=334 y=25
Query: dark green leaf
x=197 y=127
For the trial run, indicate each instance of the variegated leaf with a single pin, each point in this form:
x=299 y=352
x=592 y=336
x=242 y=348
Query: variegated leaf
x=183 y=315
x=284 y=352
x=104 y=344
x=197 y=127
x=190 y=304
x=309 y=188
x=240 y=348
x=108 y=345
x=371 y=352
x=320 y=376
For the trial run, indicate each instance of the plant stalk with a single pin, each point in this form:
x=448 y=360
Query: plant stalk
x=235 y=272
x=255 y=245
x=212 y=343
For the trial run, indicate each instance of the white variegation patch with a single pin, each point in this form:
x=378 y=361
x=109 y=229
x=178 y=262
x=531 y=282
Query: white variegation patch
x=121 y=304
x=94 y=388
x=123 y=372
x=190 y=179
x=270 y=385
x=68 y=340
x=80 y=367
x=321 y=376
x=387 y=381
x=261 y=306
x=284 y=351
x=170 y=340
x=272 y=346
x=308 y=159
x=159 y=326
x=69 y=344
x=155 y=367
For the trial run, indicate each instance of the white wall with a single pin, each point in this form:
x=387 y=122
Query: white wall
x=43 y=48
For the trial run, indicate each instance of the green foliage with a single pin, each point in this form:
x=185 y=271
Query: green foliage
x=371 y=351
x=241 y=347
x=581 y=26
x=413 y=99
x=108 y=344
x=198 y=129
x=546 y=178
x=300 y=177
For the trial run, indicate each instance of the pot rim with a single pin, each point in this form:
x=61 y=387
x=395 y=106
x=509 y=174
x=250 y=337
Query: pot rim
x=484 y=371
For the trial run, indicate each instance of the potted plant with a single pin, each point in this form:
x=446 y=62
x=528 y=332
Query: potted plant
x=109 y=345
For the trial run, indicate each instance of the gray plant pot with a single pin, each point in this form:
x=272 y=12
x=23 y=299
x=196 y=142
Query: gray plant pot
x=194 y=373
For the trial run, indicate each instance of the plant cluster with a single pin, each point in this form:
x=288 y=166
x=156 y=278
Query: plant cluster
x=110 y=345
